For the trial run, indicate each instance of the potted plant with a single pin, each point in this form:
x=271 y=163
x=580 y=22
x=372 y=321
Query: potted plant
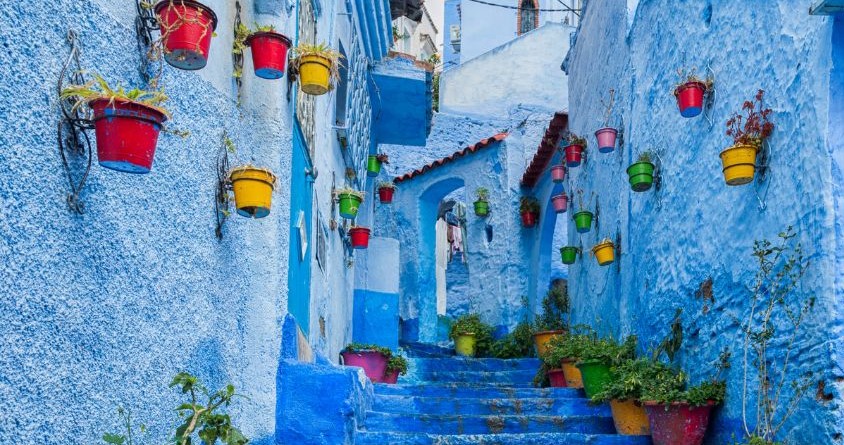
x=604 y=252
x=583 y=218
x=359 y=237
x=623 y=391
x=606 y=136
x=374 y=162
x=552 y=360
x=641 y=173
x=681 y=417
x=569 y=254
x=597 y=357
x=318 y=67
x=372 y=358
x=529 y=210
x=516 y=344
x=564 y=351
x=749 y=132
x=558 y=173
x=253 y=190
x=350 y=201
x=560 y=202
x=575 y=146
x=386 y=189
x=269 y=50
x=186 y=30
x=482 y=203
x=689 y=93
x=470 y=335
x=396 y=365
x=553 y=322
x=126 y=123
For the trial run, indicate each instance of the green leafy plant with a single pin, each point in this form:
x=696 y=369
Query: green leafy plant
x=574 y=139
x=666 y=387
x=482 y=194
x=362 y=347
x=516 y=344
x=318 y=50
x=630 y=377
x=350 y=191
x=773 y=308
x=529 y=204
x=472 y=324
x=608 y=351
x=568 y=347
x=99 y=88
x=555 y=309
x=397 y=363
x=386 y=185
x=129 y=435
x=644 y=156
x=690 y=76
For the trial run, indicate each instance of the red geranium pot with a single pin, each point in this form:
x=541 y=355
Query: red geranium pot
x=385 y=194
x=690 y=98
x=390 y=377
x=574 y=154
x=186 y=28
x=558 y=173
x=374 y=363
x=529 y=219
x=127 y=133
x=678 y=423
x=558 y=380
x=360 y=237
x=560 y=202
x=269 y=53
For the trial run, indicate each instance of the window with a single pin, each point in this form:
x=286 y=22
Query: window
x=528 y=16
x=342 y=91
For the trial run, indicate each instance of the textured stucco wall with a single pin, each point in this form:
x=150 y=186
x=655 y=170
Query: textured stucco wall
x=696 y=227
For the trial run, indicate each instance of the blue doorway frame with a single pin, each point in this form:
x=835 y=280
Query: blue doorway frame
x=301 y=220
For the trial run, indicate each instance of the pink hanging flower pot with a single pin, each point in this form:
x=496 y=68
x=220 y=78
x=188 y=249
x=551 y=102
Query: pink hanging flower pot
x=606 y=139
x=560 y=202
x=558 y=173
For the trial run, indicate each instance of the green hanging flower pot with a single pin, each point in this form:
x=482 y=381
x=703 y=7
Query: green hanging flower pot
x=569 y=254
x=350 y=201
x=583 y=221
x=481 y=208
x=641 y=176
x=373 y=166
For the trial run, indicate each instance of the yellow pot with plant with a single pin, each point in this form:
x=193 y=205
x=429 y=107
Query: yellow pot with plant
x=253 y=190
x=318 y=67
x=749 y=131
x=604 y=252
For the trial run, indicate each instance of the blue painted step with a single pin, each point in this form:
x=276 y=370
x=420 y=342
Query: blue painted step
x=456 y=424
x=425 y=350
x=548 y=406
x=520 y=378
x=460 y=364
x=370 y=438
x=469 y=390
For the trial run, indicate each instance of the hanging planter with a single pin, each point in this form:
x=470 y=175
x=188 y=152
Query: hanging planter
x=359 y=237
x=641 y=173
x=374 y=162
x=373 y=359
x=690 y=93
x=678 y=423
x=739 y=164
x=253 y=190
x=482 y=203
x=350 y=201
x=604 y=252
x=558 y=173
x=269 y=52
x=386 y=190
x=575 y=147
x=127 y=129
x=186 y=30
x=569 y=254
x=560 y=202
x=583 y=221
x=749 y=132
x=557 y=378
x=318 y=67
x=529 y=210
x=606 y=139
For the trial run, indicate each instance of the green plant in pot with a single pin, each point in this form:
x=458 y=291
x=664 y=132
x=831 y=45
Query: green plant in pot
x=569 y=254
x=372 y=358
x=472 y=337
x=396 y=365
x=641 y=173
x=374 y=163
x=516 y=344
x=554 y=319
x=597 y=357
x=482 y=203
x=565 y=350
x=350 y=201
x=529 y=211
x=583 y=218
x=317 y=67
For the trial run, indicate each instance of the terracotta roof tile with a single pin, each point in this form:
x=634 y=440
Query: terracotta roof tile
x=483 y=143
x=547 y=148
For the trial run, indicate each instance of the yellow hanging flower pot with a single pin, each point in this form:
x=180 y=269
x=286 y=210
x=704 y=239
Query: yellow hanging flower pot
x=318 y=67
x=253 y=190
x=604 y=252
x=739 y=162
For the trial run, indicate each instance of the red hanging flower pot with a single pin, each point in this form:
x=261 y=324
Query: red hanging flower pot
x=360 y=237
x=385 y=194
x=678 y=423
x=558 y=173
x=269 y=53
x=127 y=133
x=574 y=155
x=529 y=219
x=186 y=30
x=690 y=98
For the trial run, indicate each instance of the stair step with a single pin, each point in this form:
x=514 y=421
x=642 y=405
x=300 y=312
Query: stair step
x=549 y=406
x=460 y=364
x=464 y=390
x=425 y=350
x=454 y=424
x=521 y=378
x=379 y=438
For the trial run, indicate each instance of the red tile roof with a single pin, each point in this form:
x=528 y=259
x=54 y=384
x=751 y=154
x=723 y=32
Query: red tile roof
x=556 y=128
x=483 y=143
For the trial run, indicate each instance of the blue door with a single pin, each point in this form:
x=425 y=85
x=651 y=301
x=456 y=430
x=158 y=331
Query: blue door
x=301 y=214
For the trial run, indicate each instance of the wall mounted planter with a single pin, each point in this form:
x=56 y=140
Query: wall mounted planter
x=630 y=418
x=595 y=376
x=739 y=162
x=583 y=221
x=569 y=254
x=529 y=219
x=464 y=345
x=641 y=176
x=253 y=191
x=541 y=339
x=359 y=237
x=349 y=204
x=374 y=363
x=678 y=423
x=269 y=53
x=557 y=378
x=558 y=173
x=314 y=74
x=606 y=139
x=560 y=202
x=574 y=155
x=573 y=377
x=481 y=208
x=127 y=133
x=385 y=194
x=373 y=166
x=690 y=98
x=604 y=252
x=186 y=30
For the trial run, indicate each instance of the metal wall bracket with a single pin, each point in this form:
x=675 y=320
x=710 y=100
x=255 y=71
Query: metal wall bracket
x=621 y=139
x=237 y=56
x=222 y=199
x=146 y=23
x=596 y=217
x=763 y=160
x=618 y=251
x=709 y=98
x=74 y=124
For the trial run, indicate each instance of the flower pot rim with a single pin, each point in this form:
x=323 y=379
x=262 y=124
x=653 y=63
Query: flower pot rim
x=243 y=170
x=561 y=195
x=555 y=370
x=116 y=100
x=635 y=401
x=359 y=229
x=740 y=146
x=602 y=245
x=363 y=351
x=590 y=363
x=187 y=3
x=683 y=403
x=686 y=85
x=316 y=58
x=582 y=212
x=579 y=147
x=575 y=248
x=465 y=334
x=350 y=194
x=606 y=129
x=555 y=331
x=558 y=166
x=272 y=34
x=569 y=360
x=640 y=162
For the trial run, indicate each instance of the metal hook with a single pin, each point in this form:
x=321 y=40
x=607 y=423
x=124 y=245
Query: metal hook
x=709 y=100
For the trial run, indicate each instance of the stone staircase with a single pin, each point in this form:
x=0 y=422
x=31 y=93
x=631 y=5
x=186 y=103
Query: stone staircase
x=448 y=400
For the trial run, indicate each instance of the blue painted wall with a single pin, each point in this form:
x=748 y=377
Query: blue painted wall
x=696 y=227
